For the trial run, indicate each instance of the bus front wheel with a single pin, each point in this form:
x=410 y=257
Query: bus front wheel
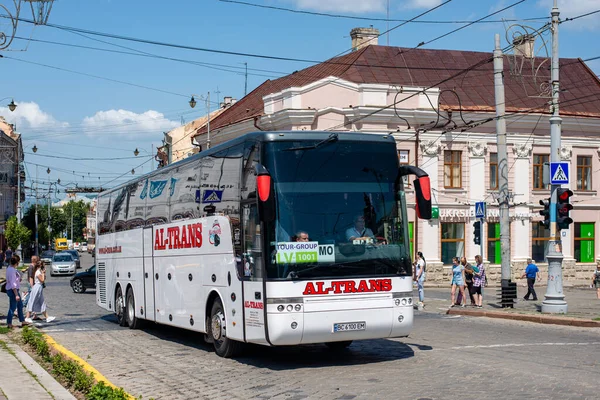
x=120 y=307
x=224 y=346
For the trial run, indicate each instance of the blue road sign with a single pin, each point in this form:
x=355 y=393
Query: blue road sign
x=212 y=196
x=480 y=209
x=198 y=199
x=559 y=173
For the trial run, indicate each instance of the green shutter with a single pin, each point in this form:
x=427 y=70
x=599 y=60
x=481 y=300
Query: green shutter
x=587 y=245
x=411 y=235
x=498 y=247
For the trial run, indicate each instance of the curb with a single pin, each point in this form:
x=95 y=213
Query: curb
x=86 y=367
x=540 y=319
x=47 y=382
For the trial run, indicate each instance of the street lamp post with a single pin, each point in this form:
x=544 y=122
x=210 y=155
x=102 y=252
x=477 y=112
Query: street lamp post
x=12 y=107
x=136 y=152
x=193 y=103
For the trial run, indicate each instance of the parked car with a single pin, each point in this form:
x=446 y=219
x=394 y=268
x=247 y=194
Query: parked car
x=62 y=264
x=75 y=255
x=46 y=258
x=84 y=280
x=83 y=247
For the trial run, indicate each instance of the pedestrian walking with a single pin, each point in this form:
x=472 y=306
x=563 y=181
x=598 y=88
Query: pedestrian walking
x=532 y=273
x=420 y=276
x=8 y=253
x=596 y=280
x=30 y=283
x=458 y=281
x=479 y=281
x=13 y=287
x=1 y=258
x=37 y=304
x=468 y=278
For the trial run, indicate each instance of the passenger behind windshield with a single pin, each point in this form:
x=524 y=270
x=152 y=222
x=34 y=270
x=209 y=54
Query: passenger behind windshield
x=358 y=231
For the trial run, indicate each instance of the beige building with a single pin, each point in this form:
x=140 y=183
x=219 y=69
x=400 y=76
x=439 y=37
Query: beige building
x=11 y=149
x=439 y=107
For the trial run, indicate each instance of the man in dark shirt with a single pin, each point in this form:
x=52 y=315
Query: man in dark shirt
x=532 y=273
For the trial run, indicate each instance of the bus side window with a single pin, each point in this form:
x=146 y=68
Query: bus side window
x=251 y=158
x=251 y=258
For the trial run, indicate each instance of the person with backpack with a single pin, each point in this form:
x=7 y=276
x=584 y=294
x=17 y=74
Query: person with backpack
x=420 y=276
x=479 y=280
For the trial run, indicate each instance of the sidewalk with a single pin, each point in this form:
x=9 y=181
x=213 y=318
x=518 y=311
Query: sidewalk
x=25 y=379
x=583 y=306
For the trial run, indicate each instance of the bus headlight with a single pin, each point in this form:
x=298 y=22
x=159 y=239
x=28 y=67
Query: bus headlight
x=294 y=325
x=404 y=302
x=400 y=318
x=290 y=307
x=280 y=307
x=397 y=302
x=298 y=307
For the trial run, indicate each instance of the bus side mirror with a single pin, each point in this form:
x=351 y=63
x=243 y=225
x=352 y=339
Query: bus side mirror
x=266 y=194
x=422 y=189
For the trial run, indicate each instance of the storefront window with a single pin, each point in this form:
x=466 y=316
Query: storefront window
x=584 y=173
x=538 y=170
x=453 y=241
x=452 y=169
x=493 y=171
x=494 y=253
x=539 y=242
x=584 y=242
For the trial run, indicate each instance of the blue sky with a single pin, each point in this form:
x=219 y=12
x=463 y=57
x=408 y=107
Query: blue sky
x=69 y=115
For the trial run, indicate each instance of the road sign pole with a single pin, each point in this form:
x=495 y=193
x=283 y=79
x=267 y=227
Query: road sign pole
x=554 y=299
x=481 y=246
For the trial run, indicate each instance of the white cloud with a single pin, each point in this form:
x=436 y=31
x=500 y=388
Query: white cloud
x=30 y=115
x=574 y=8
x=423 y=3
x=125 y=122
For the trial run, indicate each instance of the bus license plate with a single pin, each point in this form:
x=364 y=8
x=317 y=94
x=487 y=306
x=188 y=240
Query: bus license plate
x=349 y=326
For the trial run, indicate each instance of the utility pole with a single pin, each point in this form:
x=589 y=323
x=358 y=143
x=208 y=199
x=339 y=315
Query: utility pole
x=246 y=81
x=208 y=121
x=503 y=197
x=554 y=299
x=388 y=23
x=72 y=241
x=37 y=251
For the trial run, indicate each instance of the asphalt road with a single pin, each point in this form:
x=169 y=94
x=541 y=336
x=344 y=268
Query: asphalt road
x=445 y=357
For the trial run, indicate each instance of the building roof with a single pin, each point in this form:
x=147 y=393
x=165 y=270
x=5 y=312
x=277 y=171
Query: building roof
x=580 y=88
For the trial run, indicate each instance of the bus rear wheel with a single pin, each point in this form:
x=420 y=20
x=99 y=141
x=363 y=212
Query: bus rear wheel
x=132 y=321
x=120 y=307
x=337 y=346
x=224 y=347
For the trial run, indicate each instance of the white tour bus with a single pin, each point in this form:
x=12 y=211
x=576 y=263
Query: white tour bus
x=216 y=243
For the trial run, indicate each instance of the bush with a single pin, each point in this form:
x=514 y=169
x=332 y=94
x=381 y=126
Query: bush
x=102 y=392
x=83 y=381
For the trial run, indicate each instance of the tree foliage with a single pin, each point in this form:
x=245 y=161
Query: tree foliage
x=60 y=221
x=16 y=233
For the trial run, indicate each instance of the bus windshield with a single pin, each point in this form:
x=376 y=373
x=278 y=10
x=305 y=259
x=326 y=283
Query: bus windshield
x=338 y=213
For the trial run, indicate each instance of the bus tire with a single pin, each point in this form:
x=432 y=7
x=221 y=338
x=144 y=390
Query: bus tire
x=120 y=307
x=224 y=347
x=132 y=321
x=338 y=346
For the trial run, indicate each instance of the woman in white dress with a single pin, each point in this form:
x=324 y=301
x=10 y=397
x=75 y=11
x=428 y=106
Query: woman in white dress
x=36 y=303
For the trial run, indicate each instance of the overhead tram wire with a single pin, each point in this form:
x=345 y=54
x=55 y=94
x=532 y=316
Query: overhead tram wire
x=87 y=158
x=321 y=14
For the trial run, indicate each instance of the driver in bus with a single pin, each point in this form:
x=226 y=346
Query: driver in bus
x=301 y=236
x=358 y=231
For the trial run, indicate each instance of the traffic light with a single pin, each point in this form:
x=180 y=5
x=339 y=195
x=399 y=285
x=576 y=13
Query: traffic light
x=477 y=232
x=545 y=213
x=563 y=206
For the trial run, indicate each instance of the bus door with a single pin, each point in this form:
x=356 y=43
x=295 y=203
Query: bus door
x=252 y=267
x=149 y=308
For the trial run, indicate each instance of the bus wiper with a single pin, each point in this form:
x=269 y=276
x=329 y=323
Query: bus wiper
x=332 y=138
x=298 y=274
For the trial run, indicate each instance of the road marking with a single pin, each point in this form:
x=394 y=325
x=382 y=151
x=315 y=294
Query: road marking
x=86 y=329
x=54 y=330
x=493 y=346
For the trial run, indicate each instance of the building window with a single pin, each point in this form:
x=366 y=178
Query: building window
x=584 y=173
x=494 y=253
x=403 y=157
x=584 y=242
x=453 y=241
x=538 y=170
x=539 y=242
x=494 y=171
x=452 y=169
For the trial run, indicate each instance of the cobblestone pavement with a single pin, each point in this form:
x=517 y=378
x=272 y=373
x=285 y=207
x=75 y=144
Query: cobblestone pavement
x=445 y=357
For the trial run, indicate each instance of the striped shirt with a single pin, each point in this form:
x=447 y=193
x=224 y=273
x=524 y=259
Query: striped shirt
x=479 y=279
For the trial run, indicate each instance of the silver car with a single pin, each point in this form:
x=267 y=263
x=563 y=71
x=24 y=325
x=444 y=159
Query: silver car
x=62 y=264
x=46 y=258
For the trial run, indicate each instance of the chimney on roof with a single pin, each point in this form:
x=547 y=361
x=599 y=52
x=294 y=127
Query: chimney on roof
x=362 y=37
x=228 y=101
x=524 y=45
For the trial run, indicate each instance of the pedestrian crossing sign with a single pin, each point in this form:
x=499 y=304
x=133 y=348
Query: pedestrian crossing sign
x=480 y=209
x=559 y=173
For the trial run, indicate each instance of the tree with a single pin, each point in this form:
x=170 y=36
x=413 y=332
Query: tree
x=16 y=233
